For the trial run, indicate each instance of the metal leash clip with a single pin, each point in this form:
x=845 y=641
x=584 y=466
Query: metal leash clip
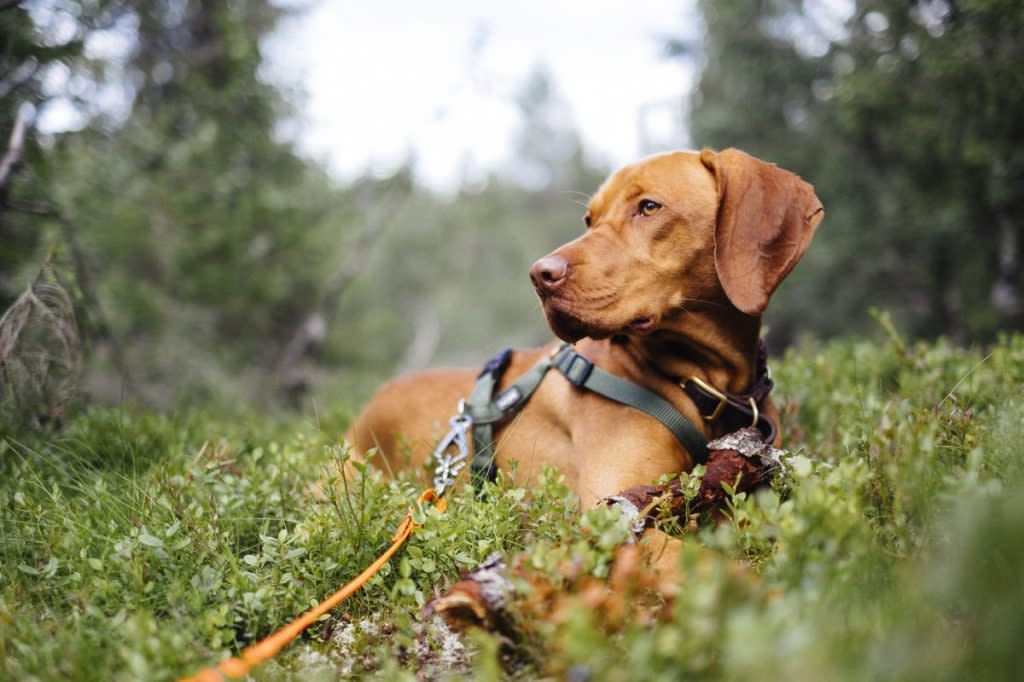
x=448 y=465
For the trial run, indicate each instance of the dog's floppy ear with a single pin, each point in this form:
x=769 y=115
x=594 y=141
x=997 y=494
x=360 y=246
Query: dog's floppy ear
x=766 y=218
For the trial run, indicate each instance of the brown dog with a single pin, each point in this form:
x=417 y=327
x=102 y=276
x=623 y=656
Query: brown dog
x=680 y=256
x=668 y=282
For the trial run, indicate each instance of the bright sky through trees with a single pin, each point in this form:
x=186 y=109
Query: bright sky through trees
x=439 y=79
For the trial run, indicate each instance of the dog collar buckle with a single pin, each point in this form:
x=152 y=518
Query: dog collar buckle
x=723 y=401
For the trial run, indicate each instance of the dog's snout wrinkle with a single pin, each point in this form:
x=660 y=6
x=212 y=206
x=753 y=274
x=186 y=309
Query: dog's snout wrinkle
x=597 y=300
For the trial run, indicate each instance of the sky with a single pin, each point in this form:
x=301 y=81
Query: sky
x=378 y=82
x=437 y=79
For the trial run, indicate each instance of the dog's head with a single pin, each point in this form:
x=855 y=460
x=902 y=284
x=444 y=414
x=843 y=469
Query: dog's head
x=674 y=231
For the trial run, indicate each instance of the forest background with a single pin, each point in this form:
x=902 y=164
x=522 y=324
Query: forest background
x=180 y=251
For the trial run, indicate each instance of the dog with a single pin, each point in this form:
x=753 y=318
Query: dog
x=678 y=259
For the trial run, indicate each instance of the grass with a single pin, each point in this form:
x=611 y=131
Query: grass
x=138 y=546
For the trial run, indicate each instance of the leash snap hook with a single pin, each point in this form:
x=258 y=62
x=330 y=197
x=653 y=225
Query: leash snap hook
x=448 y=464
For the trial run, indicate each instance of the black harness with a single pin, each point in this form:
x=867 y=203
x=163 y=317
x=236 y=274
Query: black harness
x=485 y=410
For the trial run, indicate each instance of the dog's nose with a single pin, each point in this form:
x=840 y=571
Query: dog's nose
x=547 y=273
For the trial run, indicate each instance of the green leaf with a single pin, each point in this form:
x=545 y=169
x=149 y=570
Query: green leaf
x=150 y=540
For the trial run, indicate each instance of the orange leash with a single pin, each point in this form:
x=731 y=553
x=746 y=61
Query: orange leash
x=240 y=665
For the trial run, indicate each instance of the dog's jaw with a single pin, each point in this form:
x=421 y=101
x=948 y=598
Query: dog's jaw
x=571 y=324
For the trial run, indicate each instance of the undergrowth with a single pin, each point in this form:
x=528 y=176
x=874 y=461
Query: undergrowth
x=137 y=546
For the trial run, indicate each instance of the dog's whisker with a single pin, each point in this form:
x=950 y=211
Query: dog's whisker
x=583 y=203
x=701 y=300
x=572 y=191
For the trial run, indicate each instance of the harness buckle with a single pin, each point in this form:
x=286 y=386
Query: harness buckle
x=578 y=370
x=723 y=401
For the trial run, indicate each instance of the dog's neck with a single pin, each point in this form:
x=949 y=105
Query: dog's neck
x=717 y=345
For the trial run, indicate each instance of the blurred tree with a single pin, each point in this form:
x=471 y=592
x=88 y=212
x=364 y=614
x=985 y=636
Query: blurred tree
x=25 y=53
x=208 y=230
x=41 y=278
x=548 y=153
x=18 y=67
x=228 y=264
x=909 y=120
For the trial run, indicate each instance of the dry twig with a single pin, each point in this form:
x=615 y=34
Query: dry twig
x=40 y=353
x=12 y=158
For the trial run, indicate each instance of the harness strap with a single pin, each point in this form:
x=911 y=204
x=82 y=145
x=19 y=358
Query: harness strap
x=485 y=409
x=582 y=373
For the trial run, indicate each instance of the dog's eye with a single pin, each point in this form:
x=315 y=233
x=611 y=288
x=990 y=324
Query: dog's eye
x=648 y=207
